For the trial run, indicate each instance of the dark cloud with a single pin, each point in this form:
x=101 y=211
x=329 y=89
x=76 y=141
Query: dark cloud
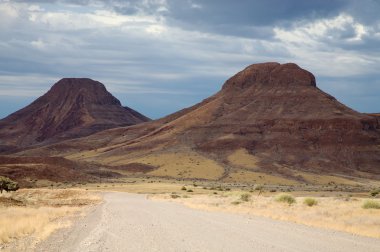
x=174 y=53
x=248 y=18
x=365 y=11
x=251 y=13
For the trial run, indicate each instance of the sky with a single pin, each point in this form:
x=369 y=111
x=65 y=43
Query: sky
x=159 y=56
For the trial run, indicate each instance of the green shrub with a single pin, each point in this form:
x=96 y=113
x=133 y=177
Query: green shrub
x=189 y=190
x=259 y=187
x=310 y=202
x=286 y=198
x=6 y=184
x=375 y=192
x=245 y=197
x=183 y=188
x=371 y=204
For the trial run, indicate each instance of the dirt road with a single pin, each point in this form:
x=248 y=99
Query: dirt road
x=129 y=222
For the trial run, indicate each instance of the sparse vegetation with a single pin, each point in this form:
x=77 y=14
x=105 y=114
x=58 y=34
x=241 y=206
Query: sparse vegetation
x=174 y=196
x=189 y=190
x=259 y=187
x=245 y=197
x=34 y=212
x=310 y=202
x=6 y=184
x=235 y=202
x=286 y=198
x=183 y=188
x=371 y=204
x=375 y=192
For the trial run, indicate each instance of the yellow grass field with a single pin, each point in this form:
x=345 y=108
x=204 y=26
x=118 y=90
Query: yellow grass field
x=180 y=165
x=337 y=213
x=242 y=158
x=257 y=177
x=35 y=213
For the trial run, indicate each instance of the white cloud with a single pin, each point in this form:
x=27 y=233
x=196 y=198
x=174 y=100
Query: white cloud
x=312 y=33
x=322 y=45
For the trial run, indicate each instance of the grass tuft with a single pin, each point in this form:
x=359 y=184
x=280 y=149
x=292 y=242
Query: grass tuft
x=174 y=196
x=286 y=198
x=371 y=204
x=245 y=197
x=310 y=202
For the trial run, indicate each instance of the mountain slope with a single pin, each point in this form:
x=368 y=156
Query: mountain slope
x=73 y=107
x=267 y=119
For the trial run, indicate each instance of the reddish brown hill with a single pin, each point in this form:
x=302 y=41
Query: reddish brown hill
x=72 y=108
x=270 y=114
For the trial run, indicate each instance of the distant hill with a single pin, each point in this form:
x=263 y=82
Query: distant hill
x=73 y=107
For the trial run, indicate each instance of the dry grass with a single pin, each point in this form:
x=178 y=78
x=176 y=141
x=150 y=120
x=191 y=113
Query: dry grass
x=242 y=158
x=342 y=214
x=157 y=186
x=38 y=212
x=182 y=165
x=325 y=179
x=23 y=221
x=244 y=176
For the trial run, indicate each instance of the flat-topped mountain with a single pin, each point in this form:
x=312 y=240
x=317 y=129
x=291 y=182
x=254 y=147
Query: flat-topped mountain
x=73 y=107
x=268 y=124
x=267 y=118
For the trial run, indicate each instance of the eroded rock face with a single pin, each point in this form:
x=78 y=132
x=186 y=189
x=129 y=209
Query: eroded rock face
x=73 y=107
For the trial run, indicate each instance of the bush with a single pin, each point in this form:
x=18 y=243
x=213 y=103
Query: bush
x=286 y=198
x=371 y=204
x=245 y=197
x=6 y=184
x=189 y=190
x=310 y=202
x=375 y=192
x=183 y=188
x=174 y=196
x=235 y=202
x=259 y=187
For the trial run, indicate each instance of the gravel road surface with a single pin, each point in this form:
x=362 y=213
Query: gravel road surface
x=130 y=222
